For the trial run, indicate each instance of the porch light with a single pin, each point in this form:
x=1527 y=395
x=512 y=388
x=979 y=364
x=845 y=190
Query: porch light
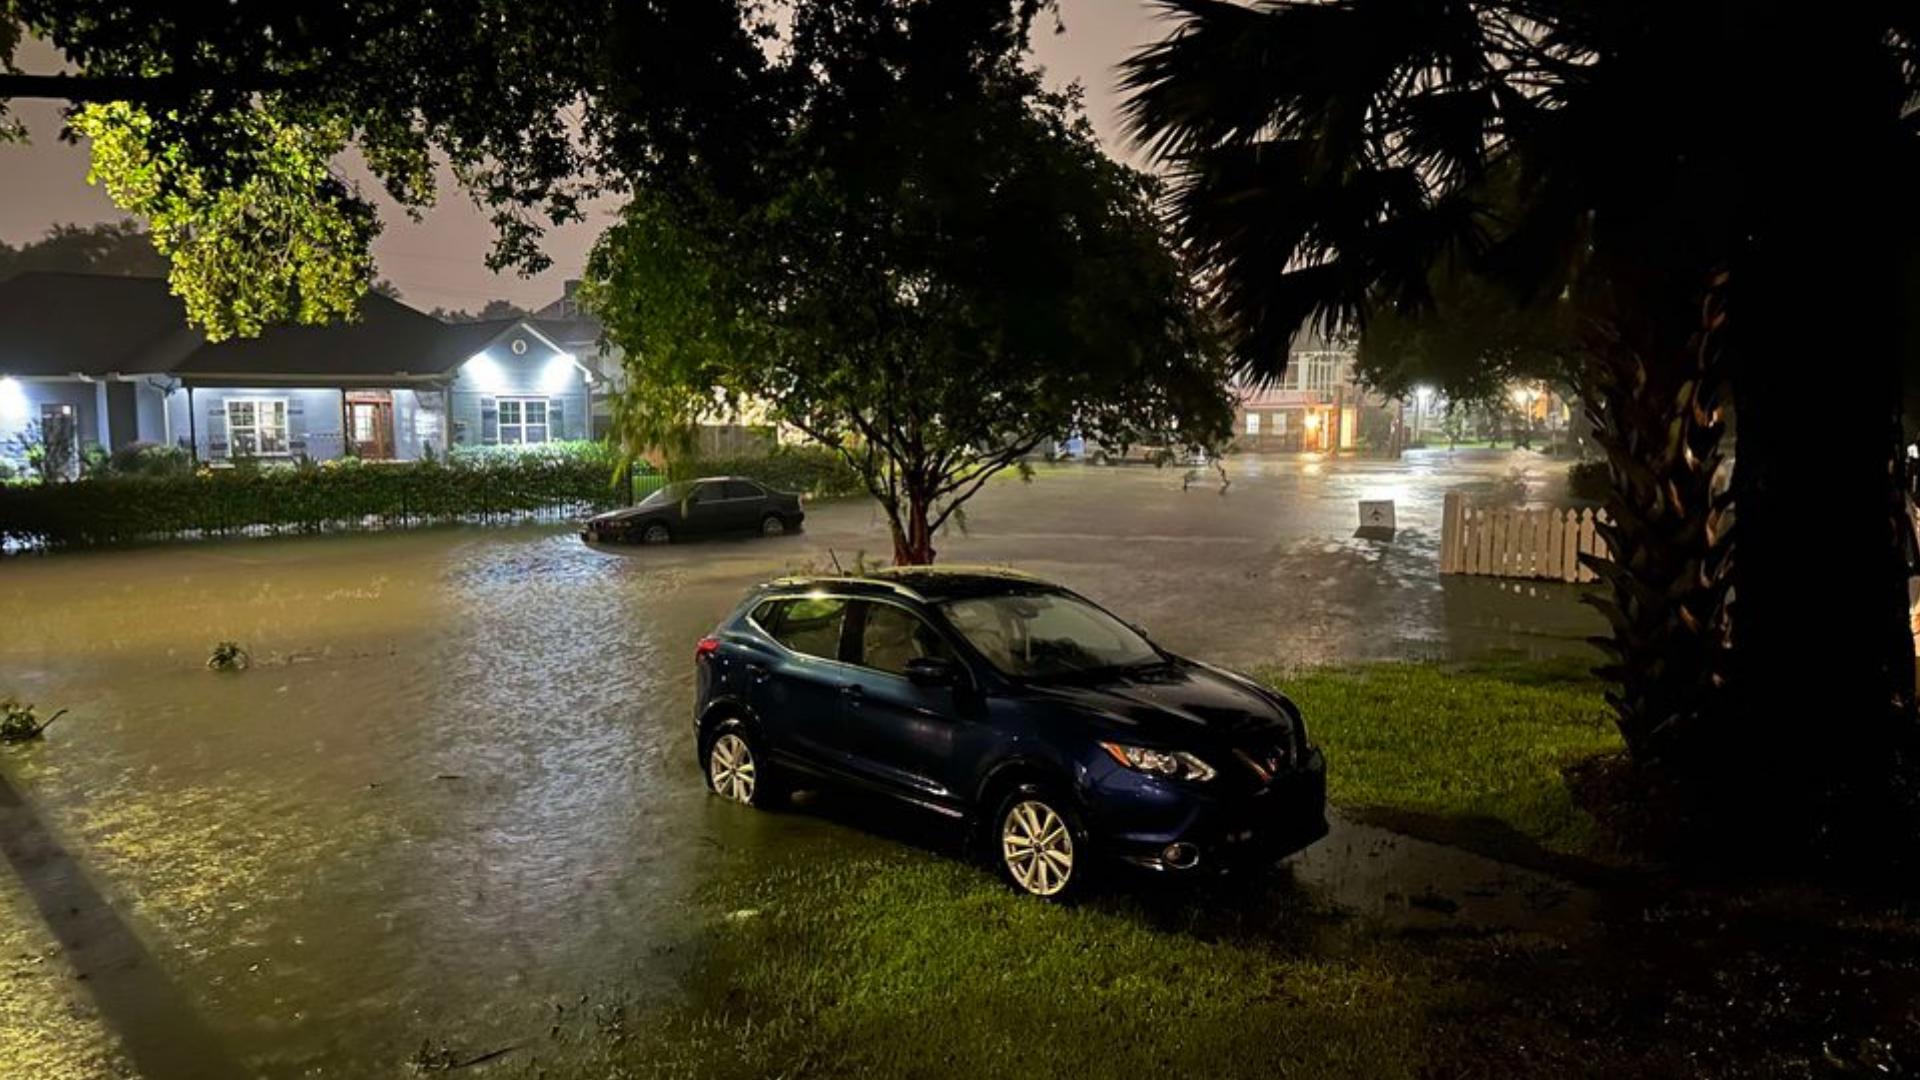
x=486 y=374
x=557 y=374
x=13 y=402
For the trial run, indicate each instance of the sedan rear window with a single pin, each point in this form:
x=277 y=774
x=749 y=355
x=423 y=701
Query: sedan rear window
x=1043 y=635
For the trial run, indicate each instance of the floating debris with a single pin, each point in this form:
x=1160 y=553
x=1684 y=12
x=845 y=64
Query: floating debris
x=229 y=656
x=19 y=723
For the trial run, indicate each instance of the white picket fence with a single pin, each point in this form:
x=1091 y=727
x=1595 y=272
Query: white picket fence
x=1504 y=541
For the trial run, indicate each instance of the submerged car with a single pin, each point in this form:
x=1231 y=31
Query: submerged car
x=1059 y=733
x=709 y=506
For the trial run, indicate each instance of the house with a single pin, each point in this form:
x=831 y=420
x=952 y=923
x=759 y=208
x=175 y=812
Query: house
x=722 y=433
x=1317 y=406
x=109 y=361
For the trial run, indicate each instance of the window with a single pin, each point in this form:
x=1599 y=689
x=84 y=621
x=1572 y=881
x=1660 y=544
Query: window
x=810 y=625
x=1046 y=635
x=523 y=421
x=1279 y=423
x=256 y=427
x=742 y=489
x=1253 y=423
x=892 y=636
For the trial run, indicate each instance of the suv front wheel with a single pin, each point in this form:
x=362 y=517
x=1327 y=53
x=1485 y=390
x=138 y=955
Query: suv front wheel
x=1039 y=843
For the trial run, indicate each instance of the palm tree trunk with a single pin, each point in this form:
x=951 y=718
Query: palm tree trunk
x=1653 y=398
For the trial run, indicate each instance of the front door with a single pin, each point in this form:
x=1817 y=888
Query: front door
x=60 y=440
x=370 y=424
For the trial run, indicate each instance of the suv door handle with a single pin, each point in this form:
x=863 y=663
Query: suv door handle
x=853 y=693
x=758 y=671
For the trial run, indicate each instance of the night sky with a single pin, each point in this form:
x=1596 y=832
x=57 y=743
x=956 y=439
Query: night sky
x=437 y=261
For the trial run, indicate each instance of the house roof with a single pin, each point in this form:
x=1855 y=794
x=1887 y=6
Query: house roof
x=54 y=323
x=389 y=338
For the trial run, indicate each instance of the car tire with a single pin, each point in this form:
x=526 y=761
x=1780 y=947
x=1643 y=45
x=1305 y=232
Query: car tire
x=1038 y=841
x=656 y=533
x=735 y=768
x=773 y=525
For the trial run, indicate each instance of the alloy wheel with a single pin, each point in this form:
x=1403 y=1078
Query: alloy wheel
x=1037 y=847
x=655 y=534
x=730 y=768
x=773 y=526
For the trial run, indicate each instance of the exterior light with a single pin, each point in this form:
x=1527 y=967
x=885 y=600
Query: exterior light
x=486 y=374
x=557 y=374
x=13 y=402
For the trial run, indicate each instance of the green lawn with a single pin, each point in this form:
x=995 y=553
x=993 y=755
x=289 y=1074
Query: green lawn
x=1472 y=744
x=915 y=965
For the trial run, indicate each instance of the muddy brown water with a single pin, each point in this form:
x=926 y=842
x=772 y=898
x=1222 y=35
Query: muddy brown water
x=457 y=782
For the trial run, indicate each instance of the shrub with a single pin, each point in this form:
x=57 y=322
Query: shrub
x=308 y=497
x=150 y=459
x=1589 y=480
x=814 y=471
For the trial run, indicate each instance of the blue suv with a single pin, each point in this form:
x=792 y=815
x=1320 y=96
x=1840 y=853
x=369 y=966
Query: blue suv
x=1059 y=733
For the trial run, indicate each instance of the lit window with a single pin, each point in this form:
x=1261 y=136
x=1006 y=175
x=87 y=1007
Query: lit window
x=523 y=420
x=1253 y=423
x=256 y=427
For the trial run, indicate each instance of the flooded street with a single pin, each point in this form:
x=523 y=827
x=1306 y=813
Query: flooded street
x=457 y=783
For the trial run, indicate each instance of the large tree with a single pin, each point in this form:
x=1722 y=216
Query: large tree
x=1331 y=155
x=223 y=125
x=930 y=265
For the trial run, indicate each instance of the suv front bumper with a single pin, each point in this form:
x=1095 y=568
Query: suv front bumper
x=1177 y=828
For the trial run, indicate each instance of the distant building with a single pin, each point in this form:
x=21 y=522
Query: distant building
x=108 y=361
x=1317 y=406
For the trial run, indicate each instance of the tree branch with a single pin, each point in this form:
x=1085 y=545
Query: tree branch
x=137 y=88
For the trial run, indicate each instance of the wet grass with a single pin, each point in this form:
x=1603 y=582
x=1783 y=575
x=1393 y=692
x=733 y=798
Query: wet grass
x=912 y=965
x=1476 y=746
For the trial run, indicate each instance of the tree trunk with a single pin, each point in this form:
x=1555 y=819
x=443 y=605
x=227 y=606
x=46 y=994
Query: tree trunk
x=1824 y=657
x=912 y=536
x=1653 y=399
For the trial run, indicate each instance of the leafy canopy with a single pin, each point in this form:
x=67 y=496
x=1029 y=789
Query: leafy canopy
x=930 y=263
x=222 y=123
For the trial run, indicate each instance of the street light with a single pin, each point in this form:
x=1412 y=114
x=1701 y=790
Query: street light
x=1422 y=395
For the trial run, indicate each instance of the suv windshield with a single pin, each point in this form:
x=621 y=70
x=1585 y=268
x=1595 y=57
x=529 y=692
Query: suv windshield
x=1043 y=635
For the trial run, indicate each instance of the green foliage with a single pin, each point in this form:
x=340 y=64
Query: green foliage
x=929 y=264
x=815 y=471
x=20 y=723
x=150 y=459
x=1589 y=480
x=1474 y=339
x=345 y=493
x=290 y=243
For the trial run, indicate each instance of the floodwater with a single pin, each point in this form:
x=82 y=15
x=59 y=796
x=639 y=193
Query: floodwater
x=457 y=783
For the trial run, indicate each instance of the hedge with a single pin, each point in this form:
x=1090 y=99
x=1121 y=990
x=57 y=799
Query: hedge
x=474 y=484
x=490 y=485
x=813 y=471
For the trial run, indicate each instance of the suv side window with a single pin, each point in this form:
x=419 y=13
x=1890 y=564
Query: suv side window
x=891 y=636
x=808 y=624
x=741 y=489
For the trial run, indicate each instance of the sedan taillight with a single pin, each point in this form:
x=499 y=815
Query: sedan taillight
x=706 y=647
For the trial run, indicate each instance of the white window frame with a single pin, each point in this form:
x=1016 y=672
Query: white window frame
x=1253 y=423
x=258 y=403
x=520 y=426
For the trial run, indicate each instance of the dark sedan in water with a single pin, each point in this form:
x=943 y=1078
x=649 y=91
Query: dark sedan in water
x=1058 y=732
x=709 y=506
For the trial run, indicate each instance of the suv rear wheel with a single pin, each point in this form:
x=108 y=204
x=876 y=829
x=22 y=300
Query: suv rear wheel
x=736 y=770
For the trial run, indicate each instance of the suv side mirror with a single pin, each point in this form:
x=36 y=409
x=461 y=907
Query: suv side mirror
x=933 y=671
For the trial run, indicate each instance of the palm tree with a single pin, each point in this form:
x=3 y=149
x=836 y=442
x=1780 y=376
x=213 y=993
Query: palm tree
x=1632 y=157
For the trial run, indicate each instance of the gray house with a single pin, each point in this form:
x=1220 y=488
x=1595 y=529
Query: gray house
x=110 y=361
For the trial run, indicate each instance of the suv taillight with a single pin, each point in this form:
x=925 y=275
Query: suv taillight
x=706 y=647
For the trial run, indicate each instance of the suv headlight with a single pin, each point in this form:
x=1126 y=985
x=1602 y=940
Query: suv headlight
x=1174 y=764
